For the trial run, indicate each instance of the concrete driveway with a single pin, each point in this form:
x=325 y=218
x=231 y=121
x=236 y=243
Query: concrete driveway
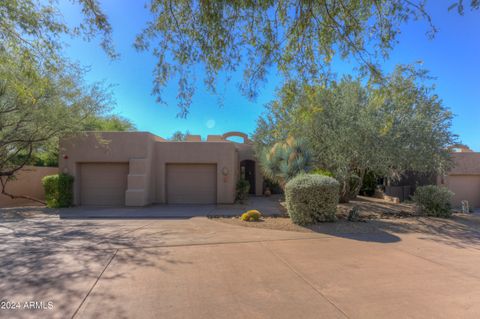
x=201 y=268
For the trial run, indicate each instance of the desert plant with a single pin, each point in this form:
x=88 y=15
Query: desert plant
x=285 y=160
x=312 y=198
x=58 y=190
x=433 y=200
x=251 y=216
x=242 y=189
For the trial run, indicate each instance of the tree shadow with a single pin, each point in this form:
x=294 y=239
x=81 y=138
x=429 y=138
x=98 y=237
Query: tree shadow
x=461 y=231
x=53 y=260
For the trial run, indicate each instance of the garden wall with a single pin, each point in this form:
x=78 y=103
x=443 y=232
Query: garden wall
x=28 y=182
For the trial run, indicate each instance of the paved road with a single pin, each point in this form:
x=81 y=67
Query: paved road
x=201 y=268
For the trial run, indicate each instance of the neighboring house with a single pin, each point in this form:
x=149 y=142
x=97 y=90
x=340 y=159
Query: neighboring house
x=139 y=168
x=464 y=178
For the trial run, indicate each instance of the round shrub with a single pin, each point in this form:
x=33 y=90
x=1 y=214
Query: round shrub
x=251 y=216
x=433 y=200
x=312 y=198
x=58 y=190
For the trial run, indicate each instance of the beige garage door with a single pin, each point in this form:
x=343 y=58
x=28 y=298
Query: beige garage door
x=103 y=184
x=465 y=188
x=191 y=183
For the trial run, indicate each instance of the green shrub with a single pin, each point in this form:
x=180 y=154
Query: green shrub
x=433 y=200
x=58 y=190
x=312 y=198
x=242 y=189
x=251 y=216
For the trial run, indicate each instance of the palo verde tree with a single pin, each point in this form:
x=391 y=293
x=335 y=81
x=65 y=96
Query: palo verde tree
x=351 y=128
x=37 y=107
x=295 y=38
x=42 y=94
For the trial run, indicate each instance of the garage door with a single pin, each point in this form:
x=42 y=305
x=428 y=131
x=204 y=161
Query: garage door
x=191 y=183
x=465 y=188
x=103 y=184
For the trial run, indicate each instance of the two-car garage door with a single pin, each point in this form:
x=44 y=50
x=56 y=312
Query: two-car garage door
x=191 y=183
x=103 y=184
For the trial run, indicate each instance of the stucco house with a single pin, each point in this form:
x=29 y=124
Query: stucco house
x=464 y=178
x=139 y=168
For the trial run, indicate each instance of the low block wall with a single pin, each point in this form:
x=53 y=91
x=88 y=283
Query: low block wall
x=28 y=182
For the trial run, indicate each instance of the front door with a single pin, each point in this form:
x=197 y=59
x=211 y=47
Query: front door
x=247 y=167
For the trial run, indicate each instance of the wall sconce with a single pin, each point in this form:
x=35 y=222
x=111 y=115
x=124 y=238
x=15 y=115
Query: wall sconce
x=225 y=171
x=225 y=174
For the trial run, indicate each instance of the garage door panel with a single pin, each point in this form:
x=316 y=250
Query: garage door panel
x=465 y=187
x=103 y=184
x=191 y=183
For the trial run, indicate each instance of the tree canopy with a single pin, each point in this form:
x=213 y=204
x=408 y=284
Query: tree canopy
x=194 y=39
x=296 y=39
x=352 y=128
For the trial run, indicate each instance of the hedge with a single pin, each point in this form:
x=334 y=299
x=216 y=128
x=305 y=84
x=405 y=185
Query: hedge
x=312 y=198
x=58 y=190
x=433 y=200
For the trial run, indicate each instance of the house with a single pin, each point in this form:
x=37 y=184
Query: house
x=139 y=168
x=464 y=178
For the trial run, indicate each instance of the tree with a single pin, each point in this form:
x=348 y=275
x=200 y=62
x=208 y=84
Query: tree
x=42 y=94
x=285 y=160
x=178 y=136
x=36 y=26
x=38 y=106
x=108 y=123
x=298 y=39
x=351 y=128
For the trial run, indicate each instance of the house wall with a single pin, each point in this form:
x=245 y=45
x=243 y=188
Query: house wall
x=28 y=182
x=464 y=179
x=221 y=153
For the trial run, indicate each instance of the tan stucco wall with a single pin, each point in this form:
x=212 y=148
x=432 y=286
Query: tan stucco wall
x=220 y=153
x=464 y=179
x=28 y=182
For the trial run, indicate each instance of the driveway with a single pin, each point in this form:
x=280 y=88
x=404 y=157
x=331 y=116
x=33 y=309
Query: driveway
x=202 y=268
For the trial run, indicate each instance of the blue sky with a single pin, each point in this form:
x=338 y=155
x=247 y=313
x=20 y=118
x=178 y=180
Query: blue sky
x=453 y=57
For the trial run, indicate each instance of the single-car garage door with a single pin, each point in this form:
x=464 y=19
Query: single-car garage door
x=103 y=184
x=465 y=187
x=191 y=183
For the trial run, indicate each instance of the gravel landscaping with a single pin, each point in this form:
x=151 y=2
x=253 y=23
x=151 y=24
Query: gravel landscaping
x=375 y=215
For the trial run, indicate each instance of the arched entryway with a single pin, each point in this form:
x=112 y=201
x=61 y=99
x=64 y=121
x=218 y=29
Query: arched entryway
x=247 y=171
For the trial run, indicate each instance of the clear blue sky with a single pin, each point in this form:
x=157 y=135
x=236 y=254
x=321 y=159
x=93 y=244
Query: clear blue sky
x=453 y=56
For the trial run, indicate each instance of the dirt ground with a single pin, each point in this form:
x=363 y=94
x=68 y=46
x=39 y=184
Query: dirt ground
x=375 y=215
